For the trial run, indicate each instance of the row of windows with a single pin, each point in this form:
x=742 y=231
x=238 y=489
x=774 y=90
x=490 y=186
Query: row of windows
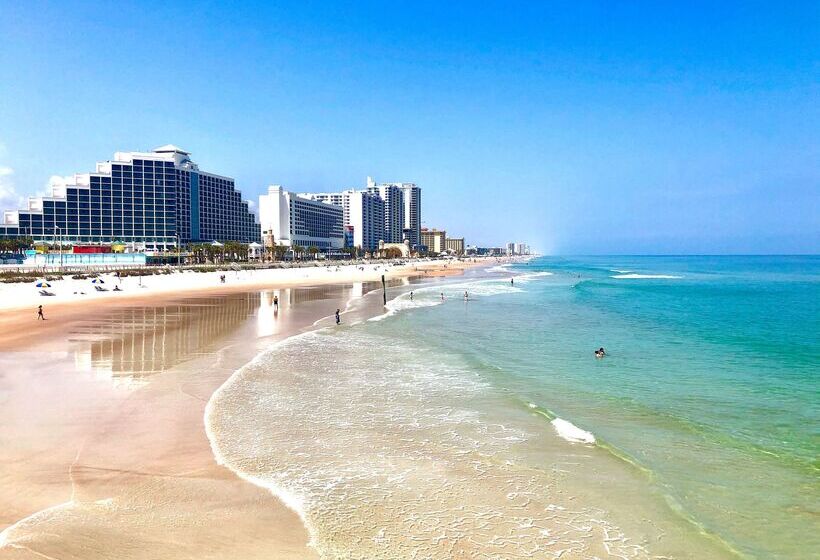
x=145 y=197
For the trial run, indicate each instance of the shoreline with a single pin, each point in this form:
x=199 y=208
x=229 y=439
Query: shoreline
x=18 y=302
x=80 y=488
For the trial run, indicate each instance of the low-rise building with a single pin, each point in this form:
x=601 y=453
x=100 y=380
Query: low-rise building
x=434 y=239
x=455 y=245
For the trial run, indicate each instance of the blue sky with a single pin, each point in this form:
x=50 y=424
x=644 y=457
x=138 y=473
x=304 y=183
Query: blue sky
x=581 y=127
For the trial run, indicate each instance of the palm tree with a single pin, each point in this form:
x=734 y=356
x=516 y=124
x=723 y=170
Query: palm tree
x=313 y=250
x=279 y=251
x=297 y=250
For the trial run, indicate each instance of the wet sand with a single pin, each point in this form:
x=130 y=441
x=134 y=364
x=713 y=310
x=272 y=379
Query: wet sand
x=104 y=452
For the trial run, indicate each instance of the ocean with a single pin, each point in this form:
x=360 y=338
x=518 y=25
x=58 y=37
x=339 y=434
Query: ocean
x=487 y=428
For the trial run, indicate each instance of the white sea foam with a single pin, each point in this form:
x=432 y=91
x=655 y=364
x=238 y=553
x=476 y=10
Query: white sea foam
x=7 y=534
x=430 y=296
x=529 y=276
x=384 y=455
x=571 y=432
x=501 y=268
x=403 y=303
x=619 y=271
x=646 y=276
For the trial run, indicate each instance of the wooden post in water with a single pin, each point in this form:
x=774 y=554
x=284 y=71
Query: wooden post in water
x=384 y=287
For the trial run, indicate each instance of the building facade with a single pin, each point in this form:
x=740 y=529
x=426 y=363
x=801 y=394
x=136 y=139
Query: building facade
x=434 y=239
x=363 y=213
x=404 y=214
x=394 y=212
x=366 y=219
x=412 y=212
x=150 y=200
x=455 y=245
x=399 y=205
x=289 y=219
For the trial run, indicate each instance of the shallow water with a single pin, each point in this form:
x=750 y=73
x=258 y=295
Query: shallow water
x=486 y=428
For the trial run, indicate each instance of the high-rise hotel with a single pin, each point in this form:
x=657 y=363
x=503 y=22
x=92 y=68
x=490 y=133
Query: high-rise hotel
x=389 y=212
x=150 y=200
x=363 y=213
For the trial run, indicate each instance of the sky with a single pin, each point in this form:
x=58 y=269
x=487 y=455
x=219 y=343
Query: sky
x=578 y=127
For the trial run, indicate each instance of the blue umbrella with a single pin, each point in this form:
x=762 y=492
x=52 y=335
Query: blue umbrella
x=98 y=281
x=43 y=285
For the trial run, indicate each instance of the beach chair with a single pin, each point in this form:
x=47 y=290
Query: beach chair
x=45 y=293
x=100 y=289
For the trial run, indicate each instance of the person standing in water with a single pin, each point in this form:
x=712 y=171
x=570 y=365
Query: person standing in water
x=411 y=296
x=338 y=319
x=442 y=296
x=40 y=313
x=275 y=304
x=512 y=281
x=466 y=296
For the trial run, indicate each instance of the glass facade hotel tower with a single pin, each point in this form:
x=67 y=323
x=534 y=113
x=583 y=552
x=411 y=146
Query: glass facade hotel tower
x=145 y=199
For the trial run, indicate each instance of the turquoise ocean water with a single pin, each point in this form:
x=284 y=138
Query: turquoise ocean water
x=711 y=385
x=438 y=424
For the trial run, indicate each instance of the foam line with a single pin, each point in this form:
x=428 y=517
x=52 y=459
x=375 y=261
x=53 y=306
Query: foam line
x=645 y=276
x=571 y=432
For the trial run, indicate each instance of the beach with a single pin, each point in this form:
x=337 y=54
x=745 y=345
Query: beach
x=104 y=450
x=205 y=424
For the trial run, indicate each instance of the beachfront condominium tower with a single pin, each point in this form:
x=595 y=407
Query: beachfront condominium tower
x=393 y=198
x=363 y=215
x=150 y=200
x=290 y=219
x=412 y=212
x=402 y=217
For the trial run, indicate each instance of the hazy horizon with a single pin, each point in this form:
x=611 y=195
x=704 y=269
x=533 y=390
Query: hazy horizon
x=593 y=129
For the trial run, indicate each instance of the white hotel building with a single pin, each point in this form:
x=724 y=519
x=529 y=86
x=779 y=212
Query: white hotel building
x=389 y=212
x=362 y=210
x=290 y=219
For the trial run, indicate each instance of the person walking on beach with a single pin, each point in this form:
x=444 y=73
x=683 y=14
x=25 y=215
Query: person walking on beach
x=40 y=313
x=275 y=304
x=338 y=319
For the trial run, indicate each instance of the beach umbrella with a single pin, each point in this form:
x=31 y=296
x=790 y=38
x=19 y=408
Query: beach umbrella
x=98 y=281
x=43 y=285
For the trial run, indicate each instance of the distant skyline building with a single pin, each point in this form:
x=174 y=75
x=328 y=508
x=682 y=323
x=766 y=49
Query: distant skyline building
x=435 y=240
x=455 y=245
x=146 y=199
x=289 y=219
